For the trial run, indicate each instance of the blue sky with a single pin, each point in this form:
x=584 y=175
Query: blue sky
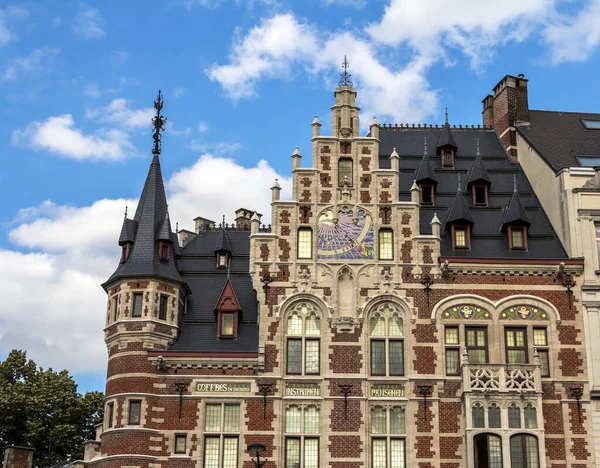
x=242 y=81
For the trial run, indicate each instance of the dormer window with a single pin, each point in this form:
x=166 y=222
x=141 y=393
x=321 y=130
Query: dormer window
x=125 y=252
x=480 y=194
x=163 y=250
x=447 y=157
x=228 y=310
x=517 y=237
x=426 y=194
x=222 y=258
x=227 y=325
x=461 y=237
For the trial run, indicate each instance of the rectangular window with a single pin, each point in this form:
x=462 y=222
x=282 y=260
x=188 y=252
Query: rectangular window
x=516 y=345
x=388 y=451
x=461 y=237
x=162 y=311
x=135 y=412
x=396 y=352
x=345 y=172
x=301 y=451
x=447 y=158
x=227 y=324
x=518 y=238
x=591 y=124
x=304 y=243
x=110 y=411
x=163 y=251
x=452 y=343
x=115 y=306
x=476 y=339
x=221 y=447
x=480 y=196
x=426 y=194
x=377 y=357
x=311 y=359
x=386 y=244
x=180 y=440
x=540 y=342
x=137 y=305
x=294 y=356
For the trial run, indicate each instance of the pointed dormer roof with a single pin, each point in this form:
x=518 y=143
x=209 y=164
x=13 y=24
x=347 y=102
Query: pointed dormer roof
x=152 y=223
x=223 y=243
x=425 y=172
x=128 y=230
x=459 y=211
x=478 y=172
x=228 y=301
x=515 y=212
x=446 y=139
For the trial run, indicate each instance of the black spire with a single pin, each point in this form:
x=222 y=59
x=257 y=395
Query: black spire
x=345 y=77
x=223 y=243
x=515 y=212
x=425 y=172
x=478 y=172
x=459 y=211
x=151 y=222
x=446 y=139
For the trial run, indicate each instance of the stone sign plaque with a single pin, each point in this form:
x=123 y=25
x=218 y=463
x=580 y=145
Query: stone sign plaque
x=222 y=387
x=302 y=389
x=387 y=391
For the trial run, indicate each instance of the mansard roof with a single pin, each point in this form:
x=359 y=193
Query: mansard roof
x=151 y=222
x=487 y=240
x=199 y=270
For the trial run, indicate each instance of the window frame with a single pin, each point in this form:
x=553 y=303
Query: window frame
x=447 y=152
x=309 y=231
x=177 y=438
x=303 y=338
x=302 y=436
x=427 y=188
x=542 y=349
x=380 y=243
x=222 y=260
x=234 y=327
x=386 y=339
x=115 y=306
x=524 y=436
x=525 y=347
x=597 y=235
x=134 y=296
x=164 y=251
x=454 y=347
x=163 y=307
x=476 y=347
x=512 y=229
x=467 y=229
x=222 y=434
x=130 y=412
x=388 y=436
x=345 y=172
x=474 y=189
x=110 y=413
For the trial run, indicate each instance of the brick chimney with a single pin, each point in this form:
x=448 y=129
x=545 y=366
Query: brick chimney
x=18 y=457
x=507 y=106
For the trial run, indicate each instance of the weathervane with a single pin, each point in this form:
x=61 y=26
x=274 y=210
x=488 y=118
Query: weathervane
x=158 y=122
x=345 y=81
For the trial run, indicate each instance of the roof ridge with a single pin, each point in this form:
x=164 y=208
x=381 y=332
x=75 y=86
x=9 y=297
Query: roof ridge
x=415 y=126
x=563 y=112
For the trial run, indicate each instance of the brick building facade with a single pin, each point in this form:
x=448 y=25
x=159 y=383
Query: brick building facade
x=409 y=306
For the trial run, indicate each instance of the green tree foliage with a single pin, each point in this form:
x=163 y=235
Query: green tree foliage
x=42 y=409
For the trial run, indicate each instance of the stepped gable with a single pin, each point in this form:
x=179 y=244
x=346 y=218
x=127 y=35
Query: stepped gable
x=198 y=268
x=151 y=223
x=487 y=240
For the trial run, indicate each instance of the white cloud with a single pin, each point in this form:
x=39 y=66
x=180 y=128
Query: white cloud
x=177 y=92
x=574 y=39
x=59 y=136
x=7 y=16
x=32 y=64
x=92 y=90
x=118 y=112
x=222 y=148
x=202 y=127
x=69 y=251
x=88 y=23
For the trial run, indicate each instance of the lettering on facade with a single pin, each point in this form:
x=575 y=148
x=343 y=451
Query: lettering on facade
x=302 y=389
x=222 y=387
x=387 y=391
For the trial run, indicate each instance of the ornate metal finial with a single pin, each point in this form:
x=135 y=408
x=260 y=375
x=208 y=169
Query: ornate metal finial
x=425 y=146
x=223 y=224
x=158 y=122
x=515 y=182
x=447 y=116
x=345 y=81
x=478 y=153
x=126 y=211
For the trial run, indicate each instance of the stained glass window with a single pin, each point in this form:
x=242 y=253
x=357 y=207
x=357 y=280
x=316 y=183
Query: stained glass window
x=460 y=237
x=524 y=451
x=180 y=440
x=476 y=345
x=384 y=423
x=516 y=346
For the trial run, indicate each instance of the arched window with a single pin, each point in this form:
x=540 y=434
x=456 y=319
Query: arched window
x=530 y=415
x=514 y=417
x=494 y=416
x=478 y=416
x=524 y=452
x=487 y=451
x=303 y=343
x=387 y=342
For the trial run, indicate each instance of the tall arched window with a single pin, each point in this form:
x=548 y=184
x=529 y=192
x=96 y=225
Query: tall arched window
x=530 y=416
x=478 y=416
x=487 y=451
x=524 y=451
x=494 y=416
x=387 y=342
x=303 y=341
x=514 y=416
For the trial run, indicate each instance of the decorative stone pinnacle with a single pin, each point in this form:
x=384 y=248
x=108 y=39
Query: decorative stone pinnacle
x=435 y=219
x=296 y=152
x=374 y=121
x=276 y=185
x=316 y=121
x=394 y=154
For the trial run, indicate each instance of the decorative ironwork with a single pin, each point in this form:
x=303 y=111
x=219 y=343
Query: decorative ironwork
x=568 y=283
x=264 y=389
x=345 y=81
x=577 y=393
x=427 y=281
x=425 y=391
x=181 y=387
x=158 y=122
x=266 y=279
x=346 y=389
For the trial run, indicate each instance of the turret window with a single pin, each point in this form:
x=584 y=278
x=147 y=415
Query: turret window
x=345 y=172
x=124 y=252
x=163 y=250
x=305 y=243
x=135 y=412
x=162 y=311
x=461 y=237
x=426 y=194
x=136 y=310
x=480 y=195
x=517 y=237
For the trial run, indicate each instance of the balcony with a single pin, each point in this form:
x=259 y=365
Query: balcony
x=502 y=378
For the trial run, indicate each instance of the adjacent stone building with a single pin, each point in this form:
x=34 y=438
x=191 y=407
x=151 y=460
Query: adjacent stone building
x=410 y=306
x=560 y=154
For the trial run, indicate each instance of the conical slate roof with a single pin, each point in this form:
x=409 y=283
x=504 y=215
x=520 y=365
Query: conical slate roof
x=478 y=172
x=446 y=138
x=425 y=171
x=459 y=211
x=151 y=220
x=223 y=243
x=515 y=212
